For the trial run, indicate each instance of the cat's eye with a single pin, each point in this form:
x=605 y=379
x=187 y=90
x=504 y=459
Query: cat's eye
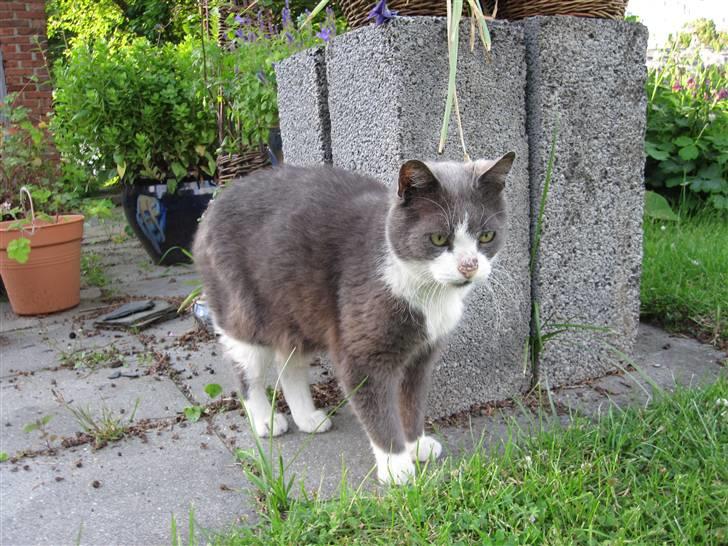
x=486 y=237
x=438 y=239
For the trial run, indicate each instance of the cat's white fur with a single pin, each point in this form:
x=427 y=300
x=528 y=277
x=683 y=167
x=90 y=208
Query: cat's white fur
x=256 y=360
x=428 y=286
x=396 y=468
x=425 y=447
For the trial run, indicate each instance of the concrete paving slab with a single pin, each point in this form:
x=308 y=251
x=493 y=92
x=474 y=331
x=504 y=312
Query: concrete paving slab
x=25 y=399
x=124 y=494
x=665 y=359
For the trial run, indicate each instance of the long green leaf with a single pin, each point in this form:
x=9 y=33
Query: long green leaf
x=321 y=5
x=544 y=195
x=455 y=12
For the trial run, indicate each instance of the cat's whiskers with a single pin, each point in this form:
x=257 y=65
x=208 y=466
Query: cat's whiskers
x=447 y=214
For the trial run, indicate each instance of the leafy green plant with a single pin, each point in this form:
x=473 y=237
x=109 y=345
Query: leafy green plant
x=40 y=425
x=25 y=150
x=194 y=413
x=687 y=130
x=92 y=270
x=133 y=111
x=4 y=456
x=241 y=75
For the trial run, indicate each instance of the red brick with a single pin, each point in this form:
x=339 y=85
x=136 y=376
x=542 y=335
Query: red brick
x=18 y=56
x=4 y=31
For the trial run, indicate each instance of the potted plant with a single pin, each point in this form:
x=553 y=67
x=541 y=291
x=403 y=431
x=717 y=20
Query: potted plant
x=40 y=255
x=138 y=114
x=242 y=79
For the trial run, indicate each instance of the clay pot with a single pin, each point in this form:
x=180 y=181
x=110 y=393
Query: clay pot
x=50 y=280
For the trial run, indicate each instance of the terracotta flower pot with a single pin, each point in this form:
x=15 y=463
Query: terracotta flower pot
x=50 y=280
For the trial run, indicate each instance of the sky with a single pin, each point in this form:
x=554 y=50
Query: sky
x=663 y=17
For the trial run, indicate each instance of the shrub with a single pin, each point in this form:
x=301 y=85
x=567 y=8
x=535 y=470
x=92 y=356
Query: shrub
x=133 y=110
x=687 y=131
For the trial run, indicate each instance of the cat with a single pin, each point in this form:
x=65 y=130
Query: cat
x=296 y=261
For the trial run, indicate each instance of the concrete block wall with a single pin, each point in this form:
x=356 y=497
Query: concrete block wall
x=304 y=96
x=587 y=76
x=386 y=93
x=23 y=42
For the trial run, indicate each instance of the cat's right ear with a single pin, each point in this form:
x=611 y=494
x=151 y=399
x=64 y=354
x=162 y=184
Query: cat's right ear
x=415 y=177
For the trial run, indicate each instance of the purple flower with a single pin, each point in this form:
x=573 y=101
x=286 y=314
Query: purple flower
x=381 y=13
x=677 y=87
x=691 y=83
x=261 y=77
x=325 y=34
x=239 y=33
x=239 y=20
x=722 y=94
x=286 y=15
x=289 y=37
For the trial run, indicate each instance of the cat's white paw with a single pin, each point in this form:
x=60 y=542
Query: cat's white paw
x=394 y=468
x=424 y=448
x=316 y=421
x=264 y=427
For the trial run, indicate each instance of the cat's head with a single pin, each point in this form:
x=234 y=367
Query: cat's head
x=448 y=221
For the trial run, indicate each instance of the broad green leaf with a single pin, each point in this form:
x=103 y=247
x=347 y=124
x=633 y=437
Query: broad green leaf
x=656 y=153
x=19 y=250
x=656 y=206
x=193 y=413
x=683 y=141
x=121 y=169
x=688 y=152
x=213 y=390
x=178 y=170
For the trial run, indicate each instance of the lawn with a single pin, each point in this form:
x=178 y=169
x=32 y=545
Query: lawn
x=637 y=476
x=685 y=274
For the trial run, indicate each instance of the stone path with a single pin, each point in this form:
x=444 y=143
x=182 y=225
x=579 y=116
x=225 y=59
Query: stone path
x=57 y=487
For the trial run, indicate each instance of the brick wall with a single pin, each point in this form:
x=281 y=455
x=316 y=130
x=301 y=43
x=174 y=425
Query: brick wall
x=22 y=34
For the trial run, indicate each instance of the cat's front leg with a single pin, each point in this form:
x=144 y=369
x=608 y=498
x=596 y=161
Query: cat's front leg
x=413 y=398
x=373 y=388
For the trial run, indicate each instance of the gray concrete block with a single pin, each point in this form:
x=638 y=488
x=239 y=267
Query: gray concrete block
x=387 y=89
x=303 y=108
x=587 y=76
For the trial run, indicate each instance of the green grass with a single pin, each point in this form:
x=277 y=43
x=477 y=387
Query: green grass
x=685 y=274
x=637 y=477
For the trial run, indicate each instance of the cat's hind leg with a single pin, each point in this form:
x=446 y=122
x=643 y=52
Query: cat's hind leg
x=294 y=380
x=251 y=363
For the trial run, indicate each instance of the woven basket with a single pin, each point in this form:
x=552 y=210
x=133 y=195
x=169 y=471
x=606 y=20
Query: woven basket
x=356 y=11
x=519 y=9
x=232 y=166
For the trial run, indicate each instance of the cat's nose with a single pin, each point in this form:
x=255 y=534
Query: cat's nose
x=468 y=266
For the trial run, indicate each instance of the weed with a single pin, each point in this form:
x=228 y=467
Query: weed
x=40 y=425
x=105 y=427
x=90 y=358
x=93 y=271
x=194 y=413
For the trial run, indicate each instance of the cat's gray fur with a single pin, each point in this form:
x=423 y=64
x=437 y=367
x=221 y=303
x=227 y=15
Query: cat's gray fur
x=297 y=258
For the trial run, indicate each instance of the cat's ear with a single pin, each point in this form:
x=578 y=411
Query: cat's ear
x=414 y=177
x=492 y=174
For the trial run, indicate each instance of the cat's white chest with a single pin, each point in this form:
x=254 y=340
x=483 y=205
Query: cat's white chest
x=442 y=314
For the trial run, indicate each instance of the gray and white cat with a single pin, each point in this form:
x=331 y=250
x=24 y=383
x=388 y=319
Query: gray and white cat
x=305 y=260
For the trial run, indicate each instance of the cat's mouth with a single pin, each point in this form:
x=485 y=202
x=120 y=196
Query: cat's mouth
x=459 y=284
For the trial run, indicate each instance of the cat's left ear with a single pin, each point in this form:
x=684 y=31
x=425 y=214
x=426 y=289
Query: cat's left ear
x=414 y=177
x=493 y=176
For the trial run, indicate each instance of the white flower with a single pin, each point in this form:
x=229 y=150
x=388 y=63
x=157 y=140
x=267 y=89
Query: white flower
x=663 y=227
x=721 y=402
x=694 y=262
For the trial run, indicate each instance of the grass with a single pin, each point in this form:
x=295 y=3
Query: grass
x=685 y=274
x=653 y=476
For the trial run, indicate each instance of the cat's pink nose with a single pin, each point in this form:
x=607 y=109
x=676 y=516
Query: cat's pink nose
x=468 y=266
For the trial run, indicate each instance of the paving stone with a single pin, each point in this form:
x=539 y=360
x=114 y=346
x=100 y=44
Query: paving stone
x=28 y=398
x=126 y=493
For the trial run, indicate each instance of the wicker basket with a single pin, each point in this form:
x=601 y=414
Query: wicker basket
x=519 y=9
x=232 y=166
x=356 y=11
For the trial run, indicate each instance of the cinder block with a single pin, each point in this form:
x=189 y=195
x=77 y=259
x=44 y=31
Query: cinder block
x=587 y=76
x=303 y=108
x=387 y=89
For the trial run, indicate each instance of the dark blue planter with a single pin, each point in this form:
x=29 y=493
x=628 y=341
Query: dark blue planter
x=165 y=222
